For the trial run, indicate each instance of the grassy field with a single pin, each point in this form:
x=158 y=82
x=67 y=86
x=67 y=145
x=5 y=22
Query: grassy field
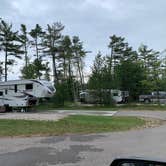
x=149 y=107
x=130 y=106
x=71 y=106
x=71 y=124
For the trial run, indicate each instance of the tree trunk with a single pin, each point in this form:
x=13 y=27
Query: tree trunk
x=36 y=45
x=64 y=68
x=80 y=74
x=55 y=75
x=5 y=65
x=111 y=68
x=37 y=55
x=71 y=81
x=111 y=65
x=26 y=56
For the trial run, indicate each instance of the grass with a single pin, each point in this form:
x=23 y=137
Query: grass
x=71 y=124
x=149 y=107
x=71 y=106
x=129 y=106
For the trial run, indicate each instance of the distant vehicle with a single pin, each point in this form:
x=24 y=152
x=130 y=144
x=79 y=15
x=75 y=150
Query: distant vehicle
x=92 y=96
x=154 y=97
x=24 y=93
x=120 y=96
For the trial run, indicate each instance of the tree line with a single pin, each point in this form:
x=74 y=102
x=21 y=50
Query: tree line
x=137 y=71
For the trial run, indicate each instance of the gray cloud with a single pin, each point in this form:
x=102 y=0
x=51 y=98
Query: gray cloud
x=139 y=21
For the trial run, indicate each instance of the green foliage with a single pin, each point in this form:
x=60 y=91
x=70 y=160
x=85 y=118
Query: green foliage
x=79 y=54
x=130 y=75
x=28 y=72
x=35 y=70
x=138 y=72
x=37 y=35
x=51 y=43
x=125 y=69
x=99 y=74
x=152 y=69
x=9 y=45
x=107 y=71
x=23 y=38
x=47 y=71
x=60 y=96
x=63 y=93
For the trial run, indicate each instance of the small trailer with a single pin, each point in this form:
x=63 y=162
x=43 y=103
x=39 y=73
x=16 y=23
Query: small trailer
x=24 y=93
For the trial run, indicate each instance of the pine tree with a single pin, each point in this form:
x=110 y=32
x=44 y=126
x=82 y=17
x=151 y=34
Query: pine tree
x=51 y=43
x=67 y=61
x=37 y=35
x=25 y=42
x=79 y=54
x=9 y=45
x=35 y=70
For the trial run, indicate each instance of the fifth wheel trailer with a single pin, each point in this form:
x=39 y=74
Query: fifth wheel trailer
x=24 y=93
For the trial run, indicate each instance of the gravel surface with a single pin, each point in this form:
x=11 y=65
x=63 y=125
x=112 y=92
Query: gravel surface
x=32 y=116
x=52 y=115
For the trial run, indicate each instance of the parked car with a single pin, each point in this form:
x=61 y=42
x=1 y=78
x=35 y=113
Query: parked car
x=154 y=97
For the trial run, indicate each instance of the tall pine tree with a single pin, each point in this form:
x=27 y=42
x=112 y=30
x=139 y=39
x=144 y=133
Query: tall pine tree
x=9 y=45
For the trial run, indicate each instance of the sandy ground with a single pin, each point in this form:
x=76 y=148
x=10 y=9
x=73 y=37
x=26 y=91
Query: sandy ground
x=52 y=115
x=32 y=116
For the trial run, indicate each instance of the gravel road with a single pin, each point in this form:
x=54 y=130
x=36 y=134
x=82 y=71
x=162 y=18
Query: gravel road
x=52 y=115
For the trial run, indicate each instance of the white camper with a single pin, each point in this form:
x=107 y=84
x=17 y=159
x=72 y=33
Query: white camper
x=24 y=93
x=92 y=96
x=119 y=96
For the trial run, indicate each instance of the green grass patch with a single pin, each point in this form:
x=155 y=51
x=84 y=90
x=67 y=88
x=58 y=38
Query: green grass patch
x=130 y=106
x=72 y=106
x=71 y=124
x=149 y=107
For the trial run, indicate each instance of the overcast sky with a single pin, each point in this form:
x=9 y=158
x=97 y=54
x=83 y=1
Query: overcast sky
x=139 y=21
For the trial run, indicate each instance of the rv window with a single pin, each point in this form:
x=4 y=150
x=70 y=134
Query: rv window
x=5 y=91
x=1 y=93
x=15 y=88
x=28 y=86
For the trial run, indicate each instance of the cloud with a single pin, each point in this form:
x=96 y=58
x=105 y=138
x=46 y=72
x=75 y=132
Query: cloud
x=99 y=18
x=139 y=21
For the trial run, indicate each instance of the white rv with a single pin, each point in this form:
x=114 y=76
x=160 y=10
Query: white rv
x=24 y=93
x=92 y=96
x=119 y=96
